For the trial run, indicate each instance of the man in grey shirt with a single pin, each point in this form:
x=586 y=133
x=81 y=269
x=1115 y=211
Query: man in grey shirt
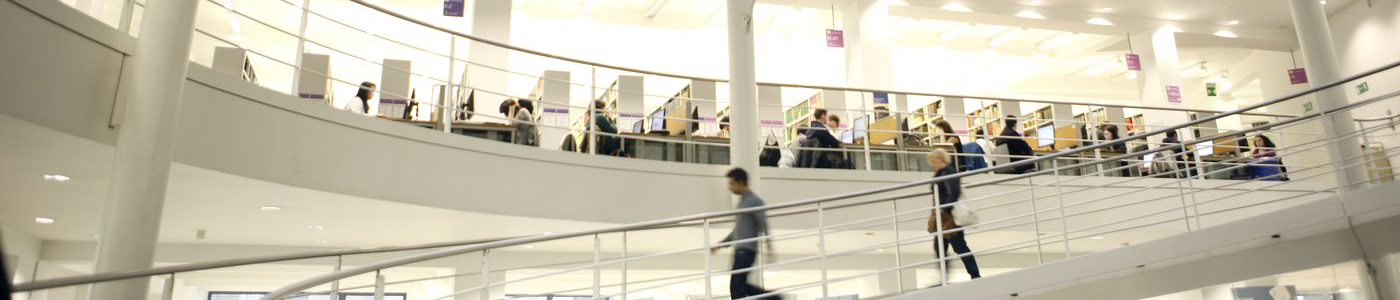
x=746 y=226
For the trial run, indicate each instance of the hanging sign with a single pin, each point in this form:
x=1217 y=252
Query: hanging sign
x=1173 y=94
x=882 y=98
x=1210 y=89
x=1134 y=62
x=834 y=38
x=1297 y=76
x=454 y=8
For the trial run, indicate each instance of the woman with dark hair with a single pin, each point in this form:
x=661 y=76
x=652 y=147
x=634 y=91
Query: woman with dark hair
x=1263 y=147
x=960 y=161
x=1267 y=164
x=1109 y=133
x=360 y=104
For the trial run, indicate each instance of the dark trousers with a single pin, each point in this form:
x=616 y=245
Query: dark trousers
x=739 y=286
x=959 y=244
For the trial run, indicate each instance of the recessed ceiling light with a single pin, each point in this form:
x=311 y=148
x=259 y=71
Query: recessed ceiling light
x=880 y=250
x=1099 y=21
x=56 y=177
x=1106 y=9
x=1344 y=290
x=1178 y=17
x=271 y=208
x=1096 y=237
x=43 y=220
x=1324 y=2
x=1226 y=34
x=1037 y=2
x=1234 y=22
x=1030 y=15
x=1132 y=75
x=957 y=7
x=316 y=227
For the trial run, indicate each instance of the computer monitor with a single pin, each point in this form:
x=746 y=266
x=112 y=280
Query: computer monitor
x=848 y=137
x=1206 y=148
x=860 y=126
x=658 y=120
x=1045 y=136
x=637 y=127
x=1147 y=159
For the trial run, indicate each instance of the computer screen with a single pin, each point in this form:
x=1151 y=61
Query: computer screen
x=1147 y=159
x=848 y=137
x=1206 y=148
x=658 y=120
x=1045 y=136
x=859 y=127
x=637 y=126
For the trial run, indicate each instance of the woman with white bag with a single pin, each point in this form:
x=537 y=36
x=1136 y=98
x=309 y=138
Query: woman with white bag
x=948 y=192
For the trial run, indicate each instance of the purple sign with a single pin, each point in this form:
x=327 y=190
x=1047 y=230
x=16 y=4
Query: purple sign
x=1134 y=62
x=771 y=122
x=1297 y=76
x=834 y=38
x=882 y=98
x=454 y=8
x=1173 y=94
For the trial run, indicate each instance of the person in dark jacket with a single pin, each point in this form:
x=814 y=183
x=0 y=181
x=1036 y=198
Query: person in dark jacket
x=608 y=144
x=1015 y=145
x=949 y=192
x=1173 y=142
x=976 y=158
x=1109 y=133
x=824 y=139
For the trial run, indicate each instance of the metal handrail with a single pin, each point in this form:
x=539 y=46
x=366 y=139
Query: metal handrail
x=304 y=284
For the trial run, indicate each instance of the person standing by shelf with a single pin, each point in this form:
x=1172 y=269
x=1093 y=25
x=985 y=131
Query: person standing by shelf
x=1015 y=145
x=747 y=227
x=361 y=104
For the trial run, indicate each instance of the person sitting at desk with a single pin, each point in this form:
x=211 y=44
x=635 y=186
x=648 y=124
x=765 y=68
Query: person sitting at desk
x=360 y=104
x=519 y=114
x=723 y=127
x=1109 y=133
x=1266 y=164
x=1015 y=145
x=607 y=144
x=976 y=151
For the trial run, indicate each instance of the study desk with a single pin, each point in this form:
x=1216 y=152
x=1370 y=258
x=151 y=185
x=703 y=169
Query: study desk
x=486 y=130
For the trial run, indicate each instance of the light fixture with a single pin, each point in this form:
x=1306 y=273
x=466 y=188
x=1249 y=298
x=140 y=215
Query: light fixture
x=1106 y=9
x=1132 y=75
x=1226 y=34
x=957 y=7
x=1178 y=17
x=1006 y=36
x=1030 y=15
x=43 y=220
x=1324 y=2
x=1194 y=70
x=1055 y=41
x=1099 y=21
x=953 y=33
x=1096 y=237
x=528 y=246
x=321 y=242
x=56 y=177
x=1343 y=290
x=316 y=227
x=880 y=250
x=548 y=232
x=271 y=208
x=1233 y=22
x=656 y=8
x=1037 y=2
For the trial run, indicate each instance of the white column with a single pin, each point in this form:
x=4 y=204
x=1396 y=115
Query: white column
x=490 y=20
x=867 y=36
x=743 y=94
x=1315 y=38
x=141 y=168
x=1160 y=68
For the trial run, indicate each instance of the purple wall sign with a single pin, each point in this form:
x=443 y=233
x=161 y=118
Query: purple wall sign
x=834 y=38
x=454 y=8
x=1134 y=62
x=1297 y=76
x=1173 y=94
x=882 y=98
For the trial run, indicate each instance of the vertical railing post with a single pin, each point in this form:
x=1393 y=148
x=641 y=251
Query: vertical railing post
x=865 y=140
x=486 y=274
x=1035 y=217
x=378 y=285
x=169 y=291
x=821 y=246
x=449 y=96
x=128 y=10
x=938 y=243
x=592 y=127
x=335 y=285
x=301 y=51
x=898 y=257
x=1060 y=193
x=597 y=266
x=623 y=295
x=709 y=294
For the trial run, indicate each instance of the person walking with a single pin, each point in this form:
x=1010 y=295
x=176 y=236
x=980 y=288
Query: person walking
x=747 y=226
x=948 y=191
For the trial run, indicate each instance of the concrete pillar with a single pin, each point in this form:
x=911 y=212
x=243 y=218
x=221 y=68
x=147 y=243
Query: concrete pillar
x=141 y=168
x=1315 y=38
x=1160 y=68
x=743 y=94
x=490 y=20
x=867 y=38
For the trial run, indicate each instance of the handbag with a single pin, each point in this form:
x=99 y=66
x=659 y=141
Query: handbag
x=963 y=215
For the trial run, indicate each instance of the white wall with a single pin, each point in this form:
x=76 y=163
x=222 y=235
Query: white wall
x=1365 y=39
x=21 y=254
